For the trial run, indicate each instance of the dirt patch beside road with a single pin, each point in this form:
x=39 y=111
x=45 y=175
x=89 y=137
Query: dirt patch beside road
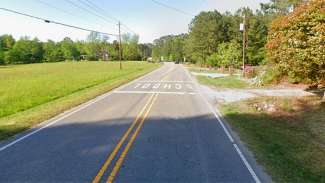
x=233 y=95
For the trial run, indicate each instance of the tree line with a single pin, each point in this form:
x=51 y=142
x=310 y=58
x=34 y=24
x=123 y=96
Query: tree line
x=95 y=47
x=214 y=39
x=286 y=35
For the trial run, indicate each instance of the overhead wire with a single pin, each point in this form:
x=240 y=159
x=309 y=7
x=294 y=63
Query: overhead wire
x=88 y=11
x=102 y=10
x=98 y=9
x=59 y=9
x=55 y=22
x=172 y=8
x=54 y=7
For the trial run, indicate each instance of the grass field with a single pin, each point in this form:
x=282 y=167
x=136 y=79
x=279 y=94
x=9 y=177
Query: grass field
x=225 y=82
x=289 y=141
x=32 y=93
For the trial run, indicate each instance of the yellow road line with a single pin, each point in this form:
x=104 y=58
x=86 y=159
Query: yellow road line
x=120 y=143
x=119 y=162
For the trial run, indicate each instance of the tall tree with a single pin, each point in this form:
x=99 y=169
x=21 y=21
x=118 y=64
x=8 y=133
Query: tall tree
x=6 y=42
x=93 y=47
x=169 y=47
x=25 y=51
x=130 y=47
x=296 y=43
x=52 y=52
x=69 y=49
x=206 y=31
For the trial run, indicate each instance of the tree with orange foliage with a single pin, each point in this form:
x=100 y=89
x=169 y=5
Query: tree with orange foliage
x=296 y=43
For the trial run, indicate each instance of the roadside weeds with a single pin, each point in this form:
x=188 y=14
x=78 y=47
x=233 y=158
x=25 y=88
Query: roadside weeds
x=289 y=140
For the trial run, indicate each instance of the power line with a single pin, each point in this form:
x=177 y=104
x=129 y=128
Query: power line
x=173 y=8
x=128 y=28
x=85 y=9
x=54 y=7
x=103 y=12
x=62 y=10
x=95 y=10
x=101 y=9
x=55 y=22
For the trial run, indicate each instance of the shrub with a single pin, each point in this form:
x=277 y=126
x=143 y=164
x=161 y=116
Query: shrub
x=2 y=57
x=296 y=43
x=227 y=55
x=270 y=76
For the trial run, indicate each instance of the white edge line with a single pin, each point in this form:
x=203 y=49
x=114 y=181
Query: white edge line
x=77 y=109
x=250 y=169
x=218 y=118
x=55 y=121
x=248 y=166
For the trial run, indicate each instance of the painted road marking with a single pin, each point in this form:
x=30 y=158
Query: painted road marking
x=168 y=86
x=146 y=85
x=178 y=86
x=70 y=112
x=163 y=85
x=153 y=92
x=101 y=172
x=137 y=85
x=120 y=143
x=120 y=160
x=156 y=86
x=216 y=113
x=158 y=81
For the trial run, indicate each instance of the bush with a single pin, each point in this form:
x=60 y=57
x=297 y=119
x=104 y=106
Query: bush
x=227 y=55
x=2 y=57
x=270 y=76
x=214 y=60
x=296 y=43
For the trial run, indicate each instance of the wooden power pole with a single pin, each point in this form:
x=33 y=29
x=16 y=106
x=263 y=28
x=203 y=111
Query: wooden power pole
x=244 y=44
x=120 y=44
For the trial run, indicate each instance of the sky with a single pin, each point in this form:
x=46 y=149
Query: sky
x=144 y=17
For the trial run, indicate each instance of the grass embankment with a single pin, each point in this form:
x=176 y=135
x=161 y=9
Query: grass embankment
x=224 y=82
x=32 y=93
x=288 y=138
x=231 y=81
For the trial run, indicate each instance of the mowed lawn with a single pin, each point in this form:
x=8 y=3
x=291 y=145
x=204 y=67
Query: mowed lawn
x=224 y=82
x=35 y=92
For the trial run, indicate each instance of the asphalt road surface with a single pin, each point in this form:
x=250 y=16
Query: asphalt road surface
x=159 y=128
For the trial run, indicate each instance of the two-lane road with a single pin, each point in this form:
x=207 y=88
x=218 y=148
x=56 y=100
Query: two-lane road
x=156 y=129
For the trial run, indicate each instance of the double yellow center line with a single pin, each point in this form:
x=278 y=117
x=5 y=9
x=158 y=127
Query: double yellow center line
x=139 y=120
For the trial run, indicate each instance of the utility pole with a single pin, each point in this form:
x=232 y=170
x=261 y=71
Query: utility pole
x=120 y=44
x=243 y=28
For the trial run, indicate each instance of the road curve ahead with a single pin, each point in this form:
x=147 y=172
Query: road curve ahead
x=159 y=128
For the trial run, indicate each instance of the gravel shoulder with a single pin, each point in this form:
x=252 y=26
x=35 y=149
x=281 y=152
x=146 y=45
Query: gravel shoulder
x=233 y=95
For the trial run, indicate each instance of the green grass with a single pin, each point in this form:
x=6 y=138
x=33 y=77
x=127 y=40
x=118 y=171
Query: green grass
x=289 y=141
x=33 y=93
x=225 y=82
